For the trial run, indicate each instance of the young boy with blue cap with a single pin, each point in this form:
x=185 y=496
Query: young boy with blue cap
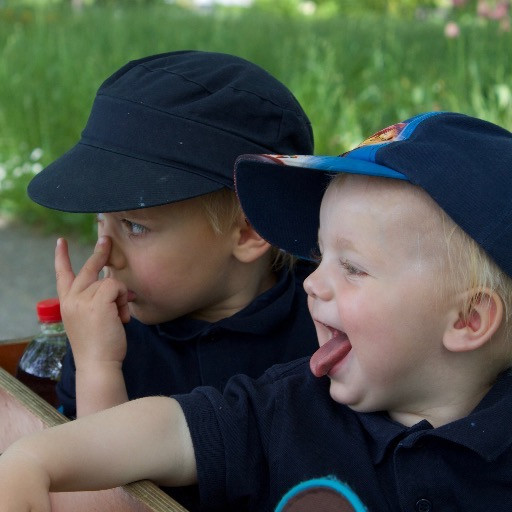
x=408 y=401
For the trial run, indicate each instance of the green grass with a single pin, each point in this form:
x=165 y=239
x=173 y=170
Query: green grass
x=353 y=75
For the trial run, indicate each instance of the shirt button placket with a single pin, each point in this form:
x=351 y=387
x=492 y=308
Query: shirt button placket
x=423 y=505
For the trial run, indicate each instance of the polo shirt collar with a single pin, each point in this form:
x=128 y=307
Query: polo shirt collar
x=262 y=315
x=485 y=431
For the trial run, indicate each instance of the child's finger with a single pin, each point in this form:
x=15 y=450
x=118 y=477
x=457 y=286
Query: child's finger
x=88 y=274
x=63 y=271
x=122 y=306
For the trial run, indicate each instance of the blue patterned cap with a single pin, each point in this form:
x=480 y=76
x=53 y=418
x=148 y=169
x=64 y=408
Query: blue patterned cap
x=463 y=163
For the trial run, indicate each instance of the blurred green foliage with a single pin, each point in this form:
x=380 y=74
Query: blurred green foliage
x=354 y=72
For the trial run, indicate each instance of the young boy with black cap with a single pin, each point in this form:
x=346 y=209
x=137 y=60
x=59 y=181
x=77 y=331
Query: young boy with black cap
x=195 y=294
x=201 y=294
x=408 y=400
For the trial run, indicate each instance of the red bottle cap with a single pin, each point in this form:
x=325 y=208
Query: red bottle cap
x=48 y=311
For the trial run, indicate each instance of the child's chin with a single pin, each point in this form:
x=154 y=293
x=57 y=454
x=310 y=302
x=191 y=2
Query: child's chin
x=134 y=310
x=339 y=393
x=138 y=313
x=148 y=317
x=343 y=395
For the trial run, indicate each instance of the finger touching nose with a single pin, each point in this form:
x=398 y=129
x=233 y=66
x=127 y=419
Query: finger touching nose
x=116 y=258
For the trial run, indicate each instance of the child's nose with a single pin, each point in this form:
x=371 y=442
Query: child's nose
x=316 y=286
x=116 y=259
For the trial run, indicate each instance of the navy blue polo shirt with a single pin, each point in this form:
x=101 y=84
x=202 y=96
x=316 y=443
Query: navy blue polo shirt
x=262 y=437
x=177 y=356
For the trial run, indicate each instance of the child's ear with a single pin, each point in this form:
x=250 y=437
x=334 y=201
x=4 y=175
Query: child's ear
x=249 y=245
x=472 y=328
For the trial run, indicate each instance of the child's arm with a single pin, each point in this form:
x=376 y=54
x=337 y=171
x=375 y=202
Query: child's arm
x=142 y=439
x=93 y=312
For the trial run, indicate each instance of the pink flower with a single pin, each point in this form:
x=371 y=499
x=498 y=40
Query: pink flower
x=483 y=9
x=500 y=11
x=451 y=30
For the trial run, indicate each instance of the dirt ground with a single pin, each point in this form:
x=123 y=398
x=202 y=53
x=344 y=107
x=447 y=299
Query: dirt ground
x=27 y=275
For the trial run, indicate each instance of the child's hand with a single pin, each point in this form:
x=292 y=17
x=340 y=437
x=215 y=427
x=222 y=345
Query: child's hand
x=93 y=310
x=23 y=486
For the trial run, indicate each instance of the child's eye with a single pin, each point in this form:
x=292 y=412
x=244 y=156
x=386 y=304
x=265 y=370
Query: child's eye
x=351 y=270
x=133 y=228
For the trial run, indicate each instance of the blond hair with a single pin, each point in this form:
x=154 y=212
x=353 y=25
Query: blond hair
x=474 y=269
x=223 y=211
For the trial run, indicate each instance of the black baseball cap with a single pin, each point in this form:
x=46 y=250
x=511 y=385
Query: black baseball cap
x=169 y=127
x=463 y=163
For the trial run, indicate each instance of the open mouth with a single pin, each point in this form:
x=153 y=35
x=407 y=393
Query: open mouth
x=330 y=353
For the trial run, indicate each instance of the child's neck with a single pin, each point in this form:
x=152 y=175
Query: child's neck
x=444 y=412
x=243 y=289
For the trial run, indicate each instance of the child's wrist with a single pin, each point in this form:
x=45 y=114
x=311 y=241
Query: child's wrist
x=97 y=367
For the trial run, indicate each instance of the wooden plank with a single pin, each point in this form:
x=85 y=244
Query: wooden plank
x=23 y=412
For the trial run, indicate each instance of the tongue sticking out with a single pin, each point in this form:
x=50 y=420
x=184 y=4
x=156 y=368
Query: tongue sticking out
x=329 y=354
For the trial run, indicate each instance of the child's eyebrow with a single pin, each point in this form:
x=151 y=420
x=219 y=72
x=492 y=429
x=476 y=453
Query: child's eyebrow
x=340 y=243
x=135 y=214
x=344 y=243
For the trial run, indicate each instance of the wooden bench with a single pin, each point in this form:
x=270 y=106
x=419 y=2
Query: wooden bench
x=23 y=412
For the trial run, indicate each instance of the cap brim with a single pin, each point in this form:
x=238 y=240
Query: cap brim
x=89 y=179
x=281 y=196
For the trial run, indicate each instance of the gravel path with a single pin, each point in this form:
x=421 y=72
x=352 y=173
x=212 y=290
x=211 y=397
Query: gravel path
x=27 y=276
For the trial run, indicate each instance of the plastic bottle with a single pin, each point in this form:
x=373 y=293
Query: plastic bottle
x=41 y=363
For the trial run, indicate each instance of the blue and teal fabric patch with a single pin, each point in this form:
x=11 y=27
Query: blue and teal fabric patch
x=326 y=494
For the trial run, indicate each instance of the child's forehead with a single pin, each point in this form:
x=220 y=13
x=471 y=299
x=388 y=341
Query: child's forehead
x=392 y=201
x=383 y=220
x=138 y=214
x=161 y=212
x=387 y=188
